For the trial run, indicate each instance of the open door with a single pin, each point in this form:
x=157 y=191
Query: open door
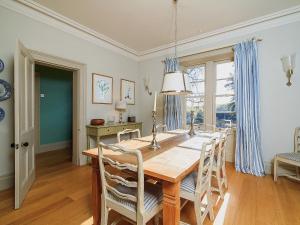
x=24 y=122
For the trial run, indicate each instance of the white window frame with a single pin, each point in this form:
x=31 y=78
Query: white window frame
x=223 y=95
x=184 y=99
x=210 y=82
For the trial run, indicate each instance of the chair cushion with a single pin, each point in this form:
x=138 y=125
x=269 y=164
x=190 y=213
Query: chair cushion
x=152 y=196
x=188 y=184
x=290 y=156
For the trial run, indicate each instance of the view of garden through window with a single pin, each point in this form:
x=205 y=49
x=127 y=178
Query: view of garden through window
x=225 y=100
x=224 y=97
x=195 y=101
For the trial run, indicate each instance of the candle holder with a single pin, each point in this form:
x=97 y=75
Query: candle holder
x=154 y=143
x=192 y=131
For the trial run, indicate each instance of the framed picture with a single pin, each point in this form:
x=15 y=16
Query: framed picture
x=128 y=91
x=102 y=89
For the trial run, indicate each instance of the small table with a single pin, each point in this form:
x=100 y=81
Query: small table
x=96 y=132
x=169 y=164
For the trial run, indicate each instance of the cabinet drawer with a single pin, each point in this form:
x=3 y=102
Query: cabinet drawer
x=106 y=131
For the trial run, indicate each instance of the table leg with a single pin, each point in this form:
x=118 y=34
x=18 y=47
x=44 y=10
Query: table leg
x=96 y=192
x=171 y=203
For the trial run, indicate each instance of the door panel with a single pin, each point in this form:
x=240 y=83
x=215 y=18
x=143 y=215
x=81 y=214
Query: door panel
x=24 y=123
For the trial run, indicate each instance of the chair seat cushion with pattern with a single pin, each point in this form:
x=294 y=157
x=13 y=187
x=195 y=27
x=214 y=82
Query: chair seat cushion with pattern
x=188 y=184
x=290 y=156
x=152 y=196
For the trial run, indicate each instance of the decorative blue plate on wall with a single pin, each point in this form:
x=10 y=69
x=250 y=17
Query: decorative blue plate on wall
x=2 y=114
x=1 y=65
x=5 y=90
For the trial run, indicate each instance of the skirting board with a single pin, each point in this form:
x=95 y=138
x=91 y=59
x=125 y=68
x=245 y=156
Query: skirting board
x=6 y=181
x=54 y=146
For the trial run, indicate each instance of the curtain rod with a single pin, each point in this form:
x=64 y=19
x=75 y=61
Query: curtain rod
x=214 y=49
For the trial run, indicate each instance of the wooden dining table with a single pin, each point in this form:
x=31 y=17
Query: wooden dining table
x=178 y=156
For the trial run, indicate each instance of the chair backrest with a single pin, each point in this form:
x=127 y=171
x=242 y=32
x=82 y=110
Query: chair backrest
x=210 y=127
x=128 y=132
x=223 y=143
x=205 y=127
x=115 y=176
x=205 y=167
x=162 y=128
x=297 y=140
x=221 y=149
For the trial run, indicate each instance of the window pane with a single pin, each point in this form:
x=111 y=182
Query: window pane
x=225 y=70
x=196 y=73
x=225 y=87
x=225 y=111
x=195 y=101
x=197 y=105
x=197 y=88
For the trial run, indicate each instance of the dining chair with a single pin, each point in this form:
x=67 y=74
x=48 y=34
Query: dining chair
x=219 y=167
x=292 y=158
x=207 y=128
x=162 y=128
x=129 y=132
x=197 y=185
x=136 y=201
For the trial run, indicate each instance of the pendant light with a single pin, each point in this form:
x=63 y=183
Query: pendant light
x=176 y=83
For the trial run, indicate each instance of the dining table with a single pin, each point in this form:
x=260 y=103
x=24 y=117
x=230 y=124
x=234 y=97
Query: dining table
x=178 y=155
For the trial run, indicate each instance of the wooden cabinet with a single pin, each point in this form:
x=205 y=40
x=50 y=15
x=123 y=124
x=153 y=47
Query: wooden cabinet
x=96 y=132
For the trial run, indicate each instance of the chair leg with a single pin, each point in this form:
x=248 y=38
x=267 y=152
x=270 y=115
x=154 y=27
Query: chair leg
x=224 y=175
x=140 y=220
x=104 y=212
x=210 y=205
x=156 y=220
x=198 y=214
x=220 y=184
x=297 y=172
x=275 y=169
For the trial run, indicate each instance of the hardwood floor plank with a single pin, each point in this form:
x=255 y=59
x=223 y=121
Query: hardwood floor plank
x=61 y=194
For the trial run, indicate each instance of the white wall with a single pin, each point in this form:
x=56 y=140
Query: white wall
x=41 y=37
x=280 y=105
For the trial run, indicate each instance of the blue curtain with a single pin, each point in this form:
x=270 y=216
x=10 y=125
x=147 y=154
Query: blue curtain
x=248 y=156
x=172 y=107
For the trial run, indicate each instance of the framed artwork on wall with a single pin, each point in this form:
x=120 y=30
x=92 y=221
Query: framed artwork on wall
x=102 y=89
x=128 y=91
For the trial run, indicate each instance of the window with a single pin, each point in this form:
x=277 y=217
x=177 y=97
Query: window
x=225 y=100
x=213 y=96
x=195 y=101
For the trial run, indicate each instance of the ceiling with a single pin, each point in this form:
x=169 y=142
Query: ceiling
x=146 y=24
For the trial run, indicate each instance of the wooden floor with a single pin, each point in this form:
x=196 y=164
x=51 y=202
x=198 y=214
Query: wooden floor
x=61 y=195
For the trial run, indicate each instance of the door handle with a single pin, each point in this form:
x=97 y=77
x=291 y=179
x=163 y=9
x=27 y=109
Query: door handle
x=25 y=144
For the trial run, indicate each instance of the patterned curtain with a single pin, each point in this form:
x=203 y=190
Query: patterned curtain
x=172 y=107
x=248 y=156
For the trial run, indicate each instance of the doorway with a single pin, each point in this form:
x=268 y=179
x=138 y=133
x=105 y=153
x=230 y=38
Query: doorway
x=53 y=116
x=24 y=112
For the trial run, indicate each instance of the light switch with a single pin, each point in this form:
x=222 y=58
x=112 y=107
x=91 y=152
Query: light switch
x=42 y=95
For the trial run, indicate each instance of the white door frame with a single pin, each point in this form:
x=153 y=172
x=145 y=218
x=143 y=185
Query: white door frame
x=79 y=99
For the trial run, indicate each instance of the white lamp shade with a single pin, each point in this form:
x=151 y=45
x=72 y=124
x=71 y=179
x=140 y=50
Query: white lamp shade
x=121 y=105
x=176 y=83
x=288 y=62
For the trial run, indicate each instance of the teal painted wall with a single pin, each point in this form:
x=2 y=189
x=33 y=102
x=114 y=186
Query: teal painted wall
x=56 y=106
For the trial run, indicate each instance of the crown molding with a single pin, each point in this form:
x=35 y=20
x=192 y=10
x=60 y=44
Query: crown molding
x=45 y=15
x=276 y=19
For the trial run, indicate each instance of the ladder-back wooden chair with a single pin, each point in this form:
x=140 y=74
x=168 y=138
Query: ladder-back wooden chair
x=134 y=200
x=292 y=158
x=219 y=167
x=129 y=132
x=197 y=185
x=162 y=128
